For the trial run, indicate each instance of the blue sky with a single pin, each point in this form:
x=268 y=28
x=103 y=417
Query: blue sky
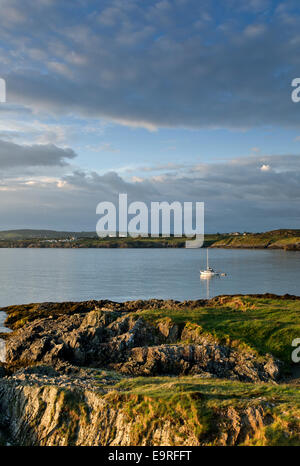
x=166 y=99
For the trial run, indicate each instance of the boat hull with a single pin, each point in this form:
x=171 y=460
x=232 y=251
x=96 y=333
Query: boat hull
x=207 y=274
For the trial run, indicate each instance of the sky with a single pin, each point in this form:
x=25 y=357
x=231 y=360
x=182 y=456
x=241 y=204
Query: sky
x=165 y=100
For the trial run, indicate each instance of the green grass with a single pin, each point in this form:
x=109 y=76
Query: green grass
x=270 y=239
x=265 y=325
x=199 y=405
x=201 y=410
x=214 y=391
x=260 y=241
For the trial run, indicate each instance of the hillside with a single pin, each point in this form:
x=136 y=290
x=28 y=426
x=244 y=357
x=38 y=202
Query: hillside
x=41 y=234
x=277 y=239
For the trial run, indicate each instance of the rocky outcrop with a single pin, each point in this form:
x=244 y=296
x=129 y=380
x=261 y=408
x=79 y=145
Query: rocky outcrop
x=240 y=426
x=2 y=371
x=52 y=408
x=129 y=344
x=216 y=360
x=70 y=378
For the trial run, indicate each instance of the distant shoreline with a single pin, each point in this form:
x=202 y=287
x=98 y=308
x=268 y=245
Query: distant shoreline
x=275 y=239
x=157 y=246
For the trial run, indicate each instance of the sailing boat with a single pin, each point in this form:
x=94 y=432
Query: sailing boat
x=208 y=272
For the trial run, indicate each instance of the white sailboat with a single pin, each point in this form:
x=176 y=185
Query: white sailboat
x=209 y=272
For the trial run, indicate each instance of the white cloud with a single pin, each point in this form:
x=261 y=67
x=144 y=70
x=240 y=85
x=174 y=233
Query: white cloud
x=265 y=168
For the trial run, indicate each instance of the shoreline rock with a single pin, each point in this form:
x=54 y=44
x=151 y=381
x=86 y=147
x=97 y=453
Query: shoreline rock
x=129 y=344
x=51 y=408
x=101 y=373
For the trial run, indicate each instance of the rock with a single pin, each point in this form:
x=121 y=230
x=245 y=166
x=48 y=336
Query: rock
x=126 y=342
x=40 y=406
x=239 y=426
x=2 y=371
x=61 y=397
x=193 y=359
x=272 y=367
x=169 y=330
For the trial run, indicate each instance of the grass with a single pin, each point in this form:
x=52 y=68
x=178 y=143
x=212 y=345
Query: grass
x=196 y=406
x=154 y=410
x=266 y=325
x=244 y=241
x=284 y=239
x=216 y=392
x=286 y=242
x=73 y=410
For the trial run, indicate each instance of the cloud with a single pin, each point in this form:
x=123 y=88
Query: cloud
x=159 y=167
x=14 y=155
x=238 y=194
x=254 y=30
x=22 y=129
x=154 y=64
x=253 y=6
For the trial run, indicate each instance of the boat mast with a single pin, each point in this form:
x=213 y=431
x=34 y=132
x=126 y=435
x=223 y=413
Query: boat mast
x=206 y=258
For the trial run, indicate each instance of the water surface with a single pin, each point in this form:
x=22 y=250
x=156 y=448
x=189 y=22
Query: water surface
x=34 y=275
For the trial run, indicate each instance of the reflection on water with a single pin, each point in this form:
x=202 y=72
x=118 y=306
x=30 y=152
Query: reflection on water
x=207 y=282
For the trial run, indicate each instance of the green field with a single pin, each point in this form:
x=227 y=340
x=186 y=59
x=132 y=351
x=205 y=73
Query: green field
x=266 y=325
x=201 y=406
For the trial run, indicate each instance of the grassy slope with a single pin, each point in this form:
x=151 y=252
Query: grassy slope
x=272 y=239
x=204 y=411
x=267 y=325
x=198 y=403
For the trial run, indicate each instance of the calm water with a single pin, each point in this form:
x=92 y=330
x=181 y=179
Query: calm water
x=34 y=275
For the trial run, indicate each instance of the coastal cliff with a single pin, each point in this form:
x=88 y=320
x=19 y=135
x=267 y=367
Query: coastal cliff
x=56 y=409
x=144 y=373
